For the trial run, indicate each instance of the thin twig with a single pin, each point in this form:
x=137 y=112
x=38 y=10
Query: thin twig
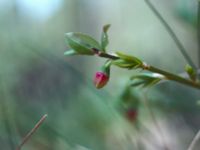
x=104 y=55
x=174 y=77
x=194 y=141
x=171 y=33
x=198 y=33
x=31 y=132
x=155 y=121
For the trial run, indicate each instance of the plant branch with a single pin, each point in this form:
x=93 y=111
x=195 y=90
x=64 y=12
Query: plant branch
x=172 y=34
x=31 y=132
x=168 y=75
x=104 y=55
x=194 y=141
x=174 y=77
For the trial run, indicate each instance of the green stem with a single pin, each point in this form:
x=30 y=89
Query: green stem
x=174 y=77
x=172 y=34
x=168 y=75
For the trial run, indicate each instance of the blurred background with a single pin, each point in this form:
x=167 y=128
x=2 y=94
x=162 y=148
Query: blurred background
x=37 y=79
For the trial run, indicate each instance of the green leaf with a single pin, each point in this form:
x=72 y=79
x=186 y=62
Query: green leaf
x=125 y=64
x=82 y=43
x=146 y=79
x=126 y=61
x=70 y=52
x=129 y=58
x=191 y=72
x=104 y=37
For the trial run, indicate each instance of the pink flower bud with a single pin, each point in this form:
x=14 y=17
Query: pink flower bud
x=131 y=114
x=100 y=79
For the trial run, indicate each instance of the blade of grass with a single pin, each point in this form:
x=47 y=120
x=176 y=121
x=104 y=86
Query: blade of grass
x=171 y=33
x=32 y=131
x=198 y=33
x=194 y=141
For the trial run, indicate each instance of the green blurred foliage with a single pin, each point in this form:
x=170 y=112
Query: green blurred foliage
x=36 y=78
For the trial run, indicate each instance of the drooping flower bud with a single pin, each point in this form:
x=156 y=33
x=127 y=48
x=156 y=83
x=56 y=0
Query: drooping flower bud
x=102 y=77
x=129 y=103
x=131 y=114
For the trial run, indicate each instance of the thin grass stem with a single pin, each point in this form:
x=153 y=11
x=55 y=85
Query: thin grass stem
x=194 y=141
x=31 y=132
x=172 y=34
